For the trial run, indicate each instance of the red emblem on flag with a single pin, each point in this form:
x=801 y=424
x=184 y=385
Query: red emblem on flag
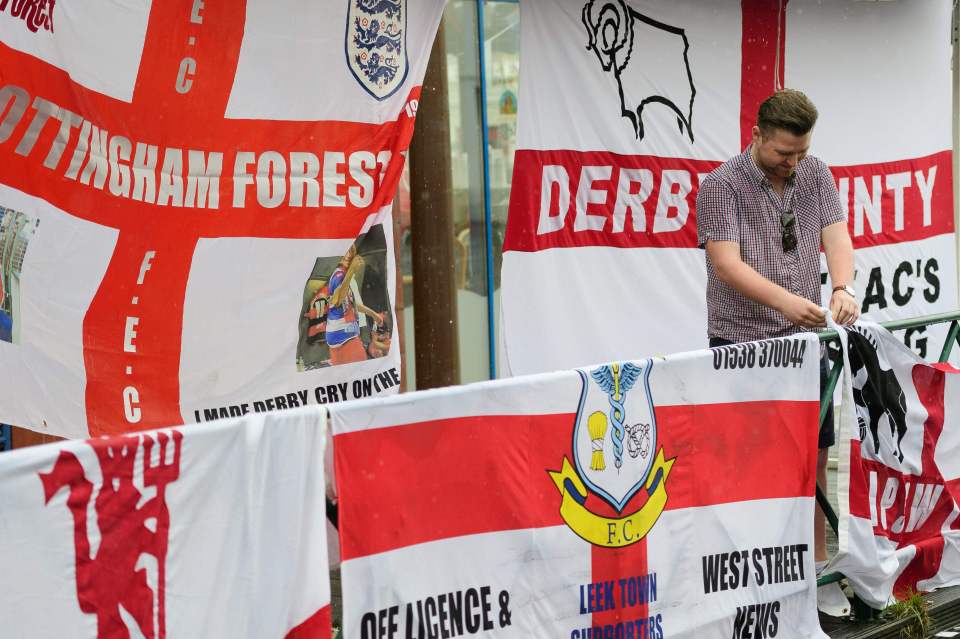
x=34 y=13
x=124 y=576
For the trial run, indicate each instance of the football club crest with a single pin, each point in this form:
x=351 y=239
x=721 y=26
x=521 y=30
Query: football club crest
x=376 y=45
x=660 y=73
x=615 y=457
x=121 y=565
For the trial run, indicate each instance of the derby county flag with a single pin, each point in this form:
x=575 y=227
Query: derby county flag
x=195 y=206
x=899 y=474
x=625 y=105
x=896 y=188
x=645 y=499
x=215 y=530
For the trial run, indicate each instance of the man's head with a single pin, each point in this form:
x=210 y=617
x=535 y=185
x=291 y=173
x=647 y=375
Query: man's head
x=782 y=135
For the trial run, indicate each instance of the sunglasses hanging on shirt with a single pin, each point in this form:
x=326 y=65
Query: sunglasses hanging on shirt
x=788 y=230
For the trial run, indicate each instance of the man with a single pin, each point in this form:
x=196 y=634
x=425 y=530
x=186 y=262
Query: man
x=343 y=327
x=762 y=217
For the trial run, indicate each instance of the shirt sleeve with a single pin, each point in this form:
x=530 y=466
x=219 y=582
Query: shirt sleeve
x=831 y=210
x=716 y=213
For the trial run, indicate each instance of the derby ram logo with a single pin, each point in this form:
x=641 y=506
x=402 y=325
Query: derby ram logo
x=647 y=58
x=376 y=45
x=615 y=457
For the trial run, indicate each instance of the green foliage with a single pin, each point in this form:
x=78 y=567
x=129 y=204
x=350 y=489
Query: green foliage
x=915 y=609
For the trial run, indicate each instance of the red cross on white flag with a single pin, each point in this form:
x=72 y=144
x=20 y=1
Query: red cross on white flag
x=186 y=177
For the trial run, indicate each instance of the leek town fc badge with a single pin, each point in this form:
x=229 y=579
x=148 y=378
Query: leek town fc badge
x=615 y=457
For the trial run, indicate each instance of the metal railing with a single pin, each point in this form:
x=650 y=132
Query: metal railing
x=826 y=397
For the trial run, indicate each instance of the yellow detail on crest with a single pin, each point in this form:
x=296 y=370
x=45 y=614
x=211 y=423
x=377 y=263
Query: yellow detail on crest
x=597 y=425
x=608 y=531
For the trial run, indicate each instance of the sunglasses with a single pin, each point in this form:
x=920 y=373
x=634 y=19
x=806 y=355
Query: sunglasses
x=788 y=230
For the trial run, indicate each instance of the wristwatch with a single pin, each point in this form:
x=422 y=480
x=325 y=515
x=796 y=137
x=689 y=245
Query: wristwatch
x=846 y=288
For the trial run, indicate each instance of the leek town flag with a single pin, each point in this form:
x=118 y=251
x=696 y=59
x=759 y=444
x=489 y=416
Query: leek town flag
x=899 y=477
x=627 y=104
x=668 y=497
x=216 y=530
x=195 y=206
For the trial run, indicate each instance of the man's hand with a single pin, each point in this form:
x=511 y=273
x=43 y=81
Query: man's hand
x=844 y=308
x=802 y=312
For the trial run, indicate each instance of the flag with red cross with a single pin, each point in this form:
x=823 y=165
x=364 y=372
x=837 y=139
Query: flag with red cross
x=212 y=530
x=626 y=106
x=180 y=181
x=669 y=497
x=899 y=480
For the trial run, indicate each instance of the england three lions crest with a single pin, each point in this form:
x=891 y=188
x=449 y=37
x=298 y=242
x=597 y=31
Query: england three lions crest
x=376 y=45
x=615 y=457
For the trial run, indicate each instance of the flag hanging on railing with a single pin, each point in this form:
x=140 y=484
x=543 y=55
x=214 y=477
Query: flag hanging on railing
x=195 y=206
x=626 y=105
x=652 y=498
x=215 y=530
x=898 y=484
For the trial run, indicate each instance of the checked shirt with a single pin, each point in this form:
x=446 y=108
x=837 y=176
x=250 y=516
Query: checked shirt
x=737 y=203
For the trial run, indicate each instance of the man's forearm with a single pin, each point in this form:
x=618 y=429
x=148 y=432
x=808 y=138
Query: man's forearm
x=731 y=269
x=838 y=250
x=840 y=269
x=839 y=253
x=752 y=285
